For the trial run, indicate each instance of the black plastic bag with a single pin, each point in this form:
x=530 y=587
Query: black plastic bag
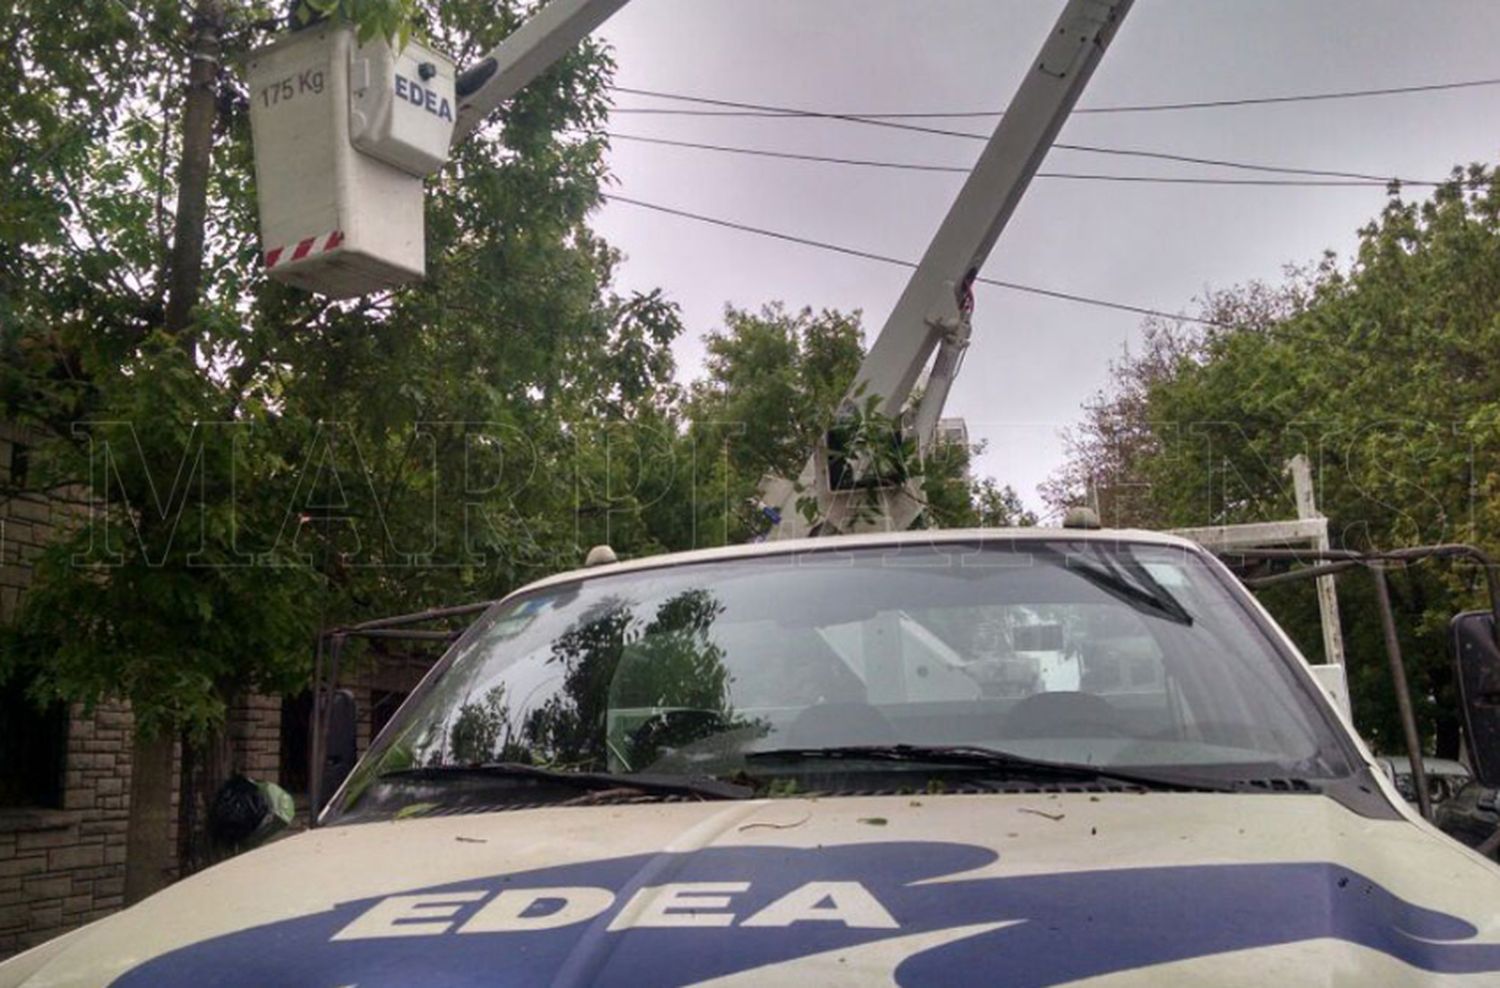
x=238 y=811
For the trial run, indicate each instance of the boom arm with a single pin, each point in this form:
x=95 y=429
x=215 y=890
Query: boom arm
x=933 y=312
x=524 y=54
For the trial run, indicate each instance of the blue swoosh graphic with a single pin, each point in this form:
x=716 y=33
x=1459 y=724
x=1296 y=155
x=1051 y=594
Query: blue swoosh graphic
x=1075 y=925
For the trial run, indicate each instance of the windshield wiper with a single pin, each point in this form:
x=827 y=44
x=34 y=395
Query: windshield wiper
x=645 y=784
x=1145 y=594
x=996 y=762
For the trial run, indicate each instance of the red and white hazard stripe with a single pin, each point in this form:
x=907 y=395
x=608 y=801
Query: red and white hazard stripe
x=307 y=247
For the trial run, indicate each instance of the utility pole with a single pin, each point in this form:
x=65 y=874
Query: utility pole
x=199 y=108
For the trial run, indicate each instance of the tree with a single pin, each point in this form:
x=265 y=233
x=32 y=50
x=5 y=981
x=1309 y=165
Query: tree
x=1382 y=374
x=251 y=463
x=1000 y=507
x=254 y=462
x=774 y=381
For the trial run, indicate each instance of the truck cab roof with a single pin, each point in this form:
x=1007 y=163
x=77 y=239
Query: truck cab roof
x=933 y=537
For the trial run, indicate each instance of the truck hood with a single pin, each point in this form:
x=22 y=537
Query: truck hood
x=1111 y=889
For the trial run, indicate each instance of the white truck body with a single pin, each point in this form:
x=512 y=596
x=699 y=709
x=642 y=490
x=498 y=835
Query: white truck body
x=1052 y=885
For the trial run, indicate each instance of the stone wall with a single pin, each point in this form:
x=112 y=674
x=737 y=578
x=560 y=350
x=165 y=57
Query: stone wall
x=255 y=735
x=60 y=866
x=63 y=866
x=27 y=525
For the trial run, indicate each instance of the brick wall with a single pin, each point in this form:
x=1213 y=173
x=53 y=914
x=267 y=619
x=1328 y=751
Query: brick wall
x=255 y=734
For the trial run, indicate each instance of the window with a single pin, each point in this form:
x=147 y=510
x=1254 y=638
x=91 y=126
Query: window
x=20 y=464
x=383 y=706
x=33 y=749
x=296 y=722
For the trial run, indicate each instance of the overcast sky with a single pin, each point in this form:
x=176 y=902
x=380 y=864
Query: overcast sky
x=1033 y=361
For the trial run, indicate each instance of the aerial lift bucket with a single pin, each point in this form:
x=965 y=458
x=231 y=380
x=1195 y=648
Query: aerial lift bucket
x=344 y=134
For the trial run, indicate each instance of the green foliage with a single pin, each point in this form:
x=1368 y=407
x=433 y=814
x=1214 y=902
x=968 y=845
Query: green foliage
x=774 y=386
x=1000 y=507
x=1383 y=374
x=290 y=462
x=286 y=463
x=774 y=380
x=867 y=452
x=389 y=19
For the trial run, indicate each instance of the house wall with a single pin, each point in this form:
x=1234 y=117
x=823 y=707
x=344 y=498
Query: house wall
x=61 y=868
x=255 y=735
x=64 y=866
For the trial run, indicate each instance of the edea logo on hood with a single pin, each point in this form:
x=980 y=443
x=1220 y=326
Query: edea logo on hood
x=681 y=918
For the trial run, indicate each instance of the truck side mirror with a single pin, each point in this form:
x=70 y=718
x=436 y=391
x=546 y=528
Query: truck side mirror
x=341 y=749
x=1478 y=660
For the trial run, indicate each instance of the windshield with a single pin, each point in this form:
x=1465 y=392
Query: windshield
x=1113 y=655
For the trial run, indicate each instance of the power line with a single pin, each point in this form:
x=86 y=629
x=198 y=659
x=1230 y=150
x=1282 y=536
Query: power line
x=1279 y=332
x=967 y=135
x=960 y=170
x=1214 y=104
x=1135 y=108
x=786 y=111
x=885 y=259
